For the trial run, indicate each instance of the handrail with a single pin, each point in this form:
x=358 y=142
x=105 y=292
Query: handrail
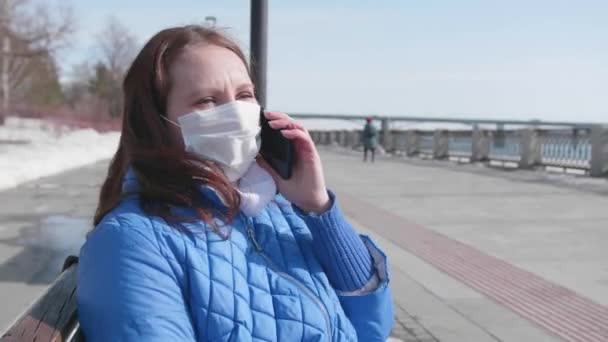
x=467 y=121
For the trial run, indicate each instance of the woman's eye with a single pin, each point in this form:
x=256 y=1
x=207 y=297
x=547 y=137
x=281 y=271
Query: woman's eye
x=204 y=101
x=245 y=95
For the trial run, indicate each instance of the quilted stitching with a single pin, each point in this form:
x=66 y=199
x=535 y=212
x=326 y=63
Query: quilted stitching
x=230 y=288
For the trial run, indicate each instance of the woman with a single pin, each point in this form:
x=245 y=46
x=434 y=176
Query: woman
x=191 y=241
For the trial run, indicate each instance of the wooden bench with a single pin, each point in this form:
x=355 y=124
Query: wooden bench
x=52 y=317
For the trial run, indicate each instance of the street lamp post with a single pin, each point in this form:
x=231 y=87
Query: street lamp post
x=6 y=95
x=210 y=21
x=258 y=41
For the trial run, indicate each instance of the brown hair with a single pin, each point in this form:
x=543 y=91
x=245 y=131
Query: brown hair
x=168 y=176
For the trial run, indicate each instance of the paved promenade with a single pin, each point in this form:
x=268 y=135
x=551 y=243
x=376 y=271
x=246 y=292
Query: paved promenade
x=485 y=255
x=476 y=254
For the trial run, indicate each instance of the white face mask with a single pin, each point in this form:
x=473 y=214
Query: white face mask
x=227 y=134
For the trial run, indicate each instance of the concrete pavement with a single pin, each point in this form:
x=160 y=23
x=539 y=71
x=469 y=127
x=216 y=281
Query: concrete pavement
x=41 y=222
x=519 y=256
x=476 y=254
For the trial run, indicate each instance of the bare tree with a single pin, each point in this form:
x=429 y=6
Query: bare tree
x=118 y=47
x=29 y=31
x=42 y=28
x=99 y=82
x=77 y=87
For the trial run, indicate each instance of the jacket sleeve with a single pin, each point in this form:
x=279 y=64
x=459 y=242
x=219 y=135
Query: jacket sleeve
x=346 y=260
x=127 y=290
x=371 y=313
x=345 y=255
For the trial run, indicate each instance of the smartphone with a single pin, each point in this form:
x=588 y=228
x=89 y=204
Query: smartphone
x=277 y=150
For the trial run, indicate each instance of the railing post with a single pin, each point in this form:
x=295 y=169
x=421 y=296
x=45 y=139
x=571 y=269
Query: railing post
x=480 y=145
x=342 y=138
x=440 y=144
x=400 y=141
x=314 y=136
x=412 y=143
x=337 y=138
x=349 y=139
x=350 y=142
x=394 y=141
x=385 y=134
x=599 y=150
x=529 y=149
x=357 y=138
x=388 y=141
x=333 y=135
x=326 y=137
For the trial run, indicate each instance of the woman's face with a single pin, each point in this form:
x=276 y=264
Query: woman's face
x=205 y=76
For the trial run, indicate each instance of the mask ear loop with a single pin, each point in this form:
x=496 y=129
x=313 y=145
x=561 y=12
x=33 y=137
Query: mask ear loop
x=170 y=121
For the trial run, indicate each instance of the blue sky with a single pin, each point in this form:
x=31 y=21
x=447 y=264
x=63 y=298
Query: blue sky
x=468 y=58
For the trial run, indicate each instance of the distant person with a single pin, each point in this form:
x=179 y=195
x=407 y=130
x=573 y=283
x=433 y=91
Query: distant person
x=370 y=139
x=192 y=242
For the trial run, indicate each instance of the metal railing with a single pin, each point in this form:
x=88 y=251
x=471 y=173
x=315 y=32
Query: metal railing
x=564 y=149
x=527 y=144
x=460 y=144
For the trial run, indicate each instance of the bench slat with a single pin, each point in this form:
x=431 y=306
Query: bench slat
x=53 y=316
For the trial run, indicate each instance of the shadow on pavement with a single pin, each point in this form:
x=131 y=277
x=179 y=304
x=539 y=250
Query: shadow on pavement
x=45 y=242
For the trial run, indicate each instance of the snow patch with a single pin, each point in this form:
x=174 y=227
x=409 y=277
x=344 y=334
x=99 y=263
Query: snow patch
x=31 y=149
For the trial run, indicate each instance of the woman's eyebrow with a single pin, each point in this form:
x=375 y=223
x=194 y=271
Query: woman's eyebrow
x=245 y=86
x=198 y=91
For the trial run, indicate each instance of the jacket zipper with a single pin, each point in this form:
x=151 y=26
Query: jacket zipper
x=291 y=279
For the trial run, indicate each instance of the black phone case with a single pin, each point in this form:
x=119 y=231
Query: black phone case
x=278 y=151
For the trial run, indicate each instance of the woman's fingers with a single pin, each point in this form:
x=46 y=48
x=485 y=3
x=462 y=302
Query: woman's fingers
x=297 y=134
x=285 y=124
x=276 y=115
x=290 y=129
x=278 y=120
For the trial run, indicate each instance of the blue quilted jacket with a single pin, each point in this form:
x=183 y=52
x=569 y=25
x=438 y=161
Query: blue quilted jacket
x=142 y=280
